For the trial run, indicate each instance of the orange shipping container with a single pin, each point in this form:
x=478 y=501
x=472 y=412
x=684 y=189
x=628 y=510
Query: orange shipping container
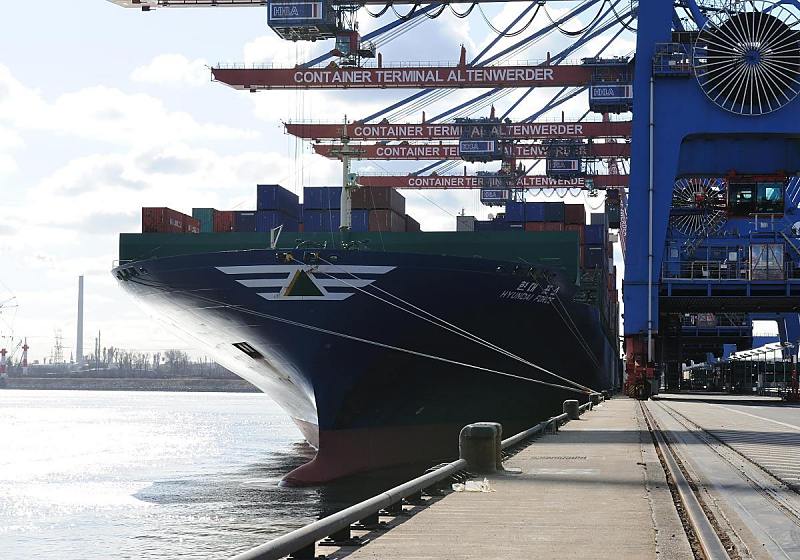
x=535 y=226
x=224 y=221
x=163 y=220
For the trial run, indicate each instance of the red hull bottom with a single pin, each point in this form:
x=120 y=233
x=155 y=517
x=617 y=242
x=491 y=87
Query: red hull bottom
x=345 y=452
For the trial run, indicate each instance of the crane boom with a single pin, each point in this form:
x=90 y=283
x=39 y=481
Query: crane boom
x=428 y=151
x=388 y=77
x=147 y=5
x=451 y=131
x=482 y=181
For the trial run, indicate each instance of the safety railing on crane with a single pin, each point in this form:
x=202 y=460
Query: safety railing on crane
x=393 y=64
x=727 y=270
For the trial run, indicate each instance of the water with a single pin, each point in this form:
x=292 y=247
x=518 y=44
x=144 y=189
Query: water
x=89 y=475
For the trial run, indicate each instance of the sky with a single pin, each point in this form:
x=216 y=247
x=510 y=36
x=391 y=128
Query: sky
x=104 y=110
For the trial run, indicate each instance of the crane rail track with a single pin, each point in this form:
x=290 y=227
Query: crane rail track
x=781 y=494
x=699 y=526
x=775 y=493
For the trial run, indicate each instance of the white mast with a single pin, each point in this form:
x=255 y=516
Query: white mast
x=349 y=180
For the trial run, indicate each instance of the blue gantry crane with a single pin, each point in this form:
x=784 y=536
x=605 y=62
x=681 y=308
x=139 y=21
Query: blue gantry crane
x=712 y=210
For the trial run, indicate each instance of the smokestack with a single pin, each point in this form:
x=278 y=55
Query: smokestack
x=25 y=349
x=79 y=341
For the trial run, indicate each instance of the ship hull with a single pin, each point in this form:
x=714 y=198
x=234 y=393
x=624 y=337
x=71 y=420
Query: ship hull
x=373 y=355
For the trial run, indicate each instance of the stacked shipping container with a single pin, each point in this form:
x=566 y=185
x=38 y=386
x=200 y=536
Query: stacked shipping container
x=374 y=209
x=167 y=220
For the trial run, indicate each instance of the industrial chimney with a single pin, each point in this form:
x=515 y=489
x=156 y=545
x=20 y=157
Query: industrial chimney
x=79 y=341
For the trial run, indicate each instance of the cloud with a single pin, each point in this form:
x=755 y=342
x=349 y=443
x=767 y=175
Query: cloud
x=105 y=114
x=173 y=70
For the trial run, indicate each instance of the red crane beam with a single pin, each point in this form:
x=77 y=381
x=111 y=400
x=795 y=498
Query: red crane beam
x=450 y=151
x=513 y=131
x=460 y=76
x=478 y=182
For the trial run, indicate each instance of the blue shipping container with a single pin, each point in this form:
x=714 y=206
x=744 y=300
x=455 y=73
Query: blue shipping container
x=320 y=220
x=330 y=220
x=244 y=221
x=594 y=257
x=267 y=220
x=360 y=220
x=275 y=197
x=526 y=211
x=515 y=211
x=554 y=212
x=595 y=235
x=322 y=198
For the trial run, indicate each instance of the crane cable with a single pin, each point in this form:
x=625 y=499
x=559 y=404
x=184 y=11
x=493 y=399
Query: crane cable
x=580 y=32
x=508 y=33
x=408 y=15
x=463 y=14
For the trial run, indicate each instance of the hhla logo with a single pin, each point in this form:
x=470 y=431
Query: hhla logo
x=306 y=283
x=296 y=10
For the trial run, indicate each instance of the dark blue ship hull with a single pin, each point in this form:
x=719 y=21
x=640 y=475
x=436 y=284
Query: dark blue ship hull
x=372 y=353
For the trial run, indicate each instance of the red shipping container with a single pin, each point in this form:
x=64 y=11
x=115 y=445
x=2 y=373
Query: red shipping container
x=575 y=227
x=553 y=226
x=386 y=220
x=191 y=225
x=412 y=225
x=379 y=198
x=224 y=221
x=574 y=214
x=162 y=220
x=534 y=226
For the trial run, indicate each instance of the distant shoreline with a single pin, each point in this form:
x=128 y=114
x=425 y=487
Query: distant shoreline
x=131 y=384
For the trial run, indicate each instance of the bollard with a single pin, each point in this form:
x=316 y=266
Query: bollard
x=479 y=446
x=571 y=409
x=595 y=399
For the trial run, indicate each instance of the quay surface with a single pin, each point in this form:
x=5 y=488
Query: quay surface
x=596 y=489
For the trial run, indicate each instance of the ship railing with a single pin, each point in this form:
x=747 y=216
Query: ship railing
x=301 y=543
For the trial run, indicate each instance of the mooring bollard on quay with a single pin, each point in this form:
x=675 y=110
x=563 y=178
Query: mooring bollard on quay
x=572 y=409
x=480 y=448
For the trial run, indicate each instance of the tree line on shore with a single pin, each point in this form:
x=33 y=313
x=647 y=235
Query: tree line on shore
x=115 y=362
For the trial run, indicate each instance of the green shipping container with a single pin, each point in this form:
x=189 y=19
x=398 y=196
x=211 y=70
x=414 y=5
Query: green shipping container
x=206 y=217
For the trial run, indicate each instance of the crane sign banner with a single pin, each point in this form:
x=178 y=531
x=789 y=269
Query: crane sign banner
x=431 y=131
x=461 y=76
x=487 y=181
x=451 y=151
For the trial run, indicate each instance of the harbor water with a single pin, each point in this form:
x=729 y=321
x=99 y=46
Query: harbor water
x=89 y=475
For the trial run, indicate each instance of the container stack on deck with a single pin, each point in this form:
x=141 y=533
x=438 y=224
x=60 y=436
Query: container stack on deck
x=598 y=279
x=374 y=209
x=167 y=220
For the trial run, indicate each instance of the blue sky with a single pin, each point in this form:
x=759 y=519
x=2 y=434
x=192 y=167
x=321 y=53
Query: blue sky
x=104 y=110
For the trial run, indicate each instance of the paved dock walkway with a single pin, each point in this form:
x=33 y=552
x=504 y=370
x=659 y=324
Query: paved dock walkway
x=593 y=491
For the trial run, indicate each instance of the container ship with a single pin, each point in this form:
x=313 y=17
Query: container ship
x=379 y=340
